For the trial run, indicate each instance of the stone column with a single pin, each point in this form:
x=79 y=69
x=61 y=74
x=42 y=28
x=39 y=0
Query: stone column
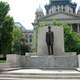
x=77 y=27
x=71 y=27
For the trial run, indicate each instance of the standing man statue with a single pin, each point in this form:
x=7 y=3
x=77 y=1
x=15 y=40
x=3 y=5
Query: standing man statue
x=50 y=40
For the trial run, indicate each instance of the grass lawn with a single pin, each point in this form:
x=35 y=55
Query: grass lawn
x=2 y=61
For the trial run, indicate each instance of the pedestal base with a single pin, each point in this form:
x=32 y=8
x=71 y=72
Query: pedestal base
x=69 y=62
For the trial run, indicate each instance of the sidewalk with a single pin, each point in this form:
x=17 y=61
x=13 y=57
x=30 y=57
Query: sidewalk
x=44 y=71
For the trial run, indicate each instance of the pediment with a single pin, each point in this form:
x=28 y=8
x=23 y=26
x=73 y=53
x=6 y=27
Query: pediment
x=61 y=16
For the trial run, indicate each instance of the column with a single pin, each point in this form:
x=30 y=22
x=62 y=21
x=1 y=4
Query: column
x=78 y=28
x=71 y=27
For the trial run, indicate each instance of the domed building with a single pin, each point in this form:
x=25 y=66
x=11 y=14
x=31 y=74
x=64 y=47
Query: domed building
x=39 y=13
x=57 y=6
x=59 y=10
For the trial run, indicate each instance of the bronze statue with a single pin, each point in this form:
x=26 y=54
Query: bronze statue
x=50 y=40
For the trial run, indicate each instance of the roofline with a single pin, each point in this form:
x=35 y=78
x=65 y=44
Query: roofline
x=75 y=15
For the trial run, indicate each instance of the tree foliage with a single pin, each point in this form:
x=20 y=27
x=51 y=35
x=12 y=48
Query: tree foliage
x=17 y=33
x=4 y=8
x=6 y=28
x=17 y=36
x=6 y=38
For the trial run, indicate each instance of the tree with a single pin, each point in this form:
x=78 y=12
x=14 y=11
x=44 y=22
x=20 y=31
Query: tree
x=69 y=39
x=17 y=36
x=4 y=8
x=17 y=33
x=7 y=29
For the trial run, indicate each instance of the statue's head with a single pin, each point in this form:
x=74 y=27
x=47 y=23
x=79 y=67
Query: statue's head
x=49 y=28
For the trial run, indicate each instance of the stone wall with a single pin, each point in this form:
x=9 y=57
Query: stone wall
x=18 y=61
x=66 y=62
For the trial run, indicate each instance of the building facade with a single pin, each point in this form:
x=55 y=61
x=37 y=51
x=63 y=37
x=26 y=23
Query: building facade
x=27 y=34
x=59 y=10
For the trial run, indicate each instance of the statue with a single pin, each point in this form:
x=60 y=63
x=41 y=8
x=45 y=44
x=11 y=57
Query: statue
x=50 y=40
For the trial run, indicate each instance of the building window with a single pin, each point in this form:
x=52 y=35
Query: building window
x=26 y=40
x=69 y=11
x=26 y=36
x=56 y=10
x=63 y=8
x=30 y=38
x=51 y=11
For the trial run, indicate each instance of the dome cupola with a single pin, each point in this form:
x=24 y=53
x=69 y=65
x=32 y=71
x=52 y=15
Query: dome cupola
x=39 y=12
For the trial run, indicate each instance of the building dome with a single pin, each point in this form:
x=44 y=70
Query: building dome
x=39 y=9
x=39 y=12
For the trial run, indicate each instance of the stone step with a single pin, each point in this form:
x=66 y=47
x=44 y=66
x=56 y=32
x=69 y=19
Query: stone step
x=39 y=74
x=42 y=76
x=33 y=79
x=16 y=76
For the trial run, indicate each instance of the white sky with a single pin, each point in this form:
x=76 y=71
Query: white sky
x=23 y=11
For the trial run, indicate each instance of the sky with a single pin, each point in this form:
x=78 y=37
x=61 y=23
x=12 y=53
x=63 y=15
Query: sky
x=23 y=11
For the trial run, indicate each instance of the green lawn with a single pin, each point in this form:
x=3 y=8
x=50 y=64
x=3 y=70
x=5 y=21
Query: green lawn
x=2 y=61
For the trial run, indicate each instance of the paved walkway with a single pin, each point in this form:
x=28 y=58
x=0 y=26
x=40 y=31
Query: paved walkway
x=45 y=71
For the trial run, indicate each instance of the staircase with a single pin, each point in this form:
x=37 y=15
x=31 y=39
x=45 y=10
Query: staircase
x=37 y=74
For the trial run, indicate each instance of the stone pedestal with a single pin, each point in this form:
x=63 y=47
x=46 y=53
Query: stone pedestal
x=65 y=62
x=58 y=41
